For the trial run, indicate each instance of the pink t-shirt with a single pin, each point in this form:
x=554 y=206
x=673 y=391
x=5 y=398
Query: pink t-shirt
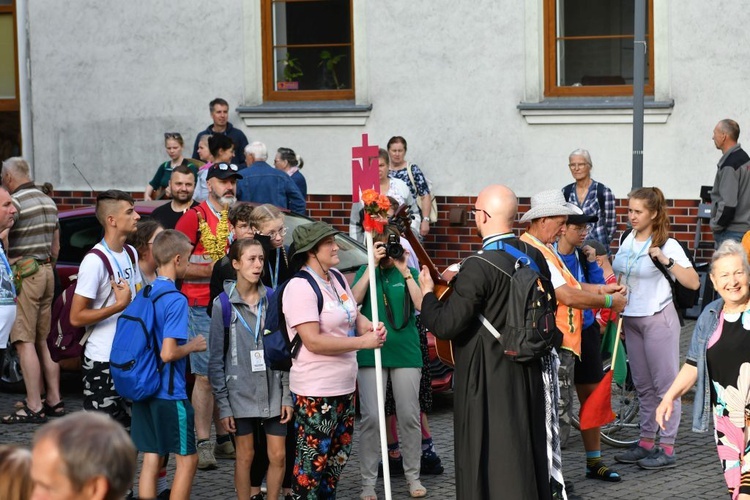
x=318 y=375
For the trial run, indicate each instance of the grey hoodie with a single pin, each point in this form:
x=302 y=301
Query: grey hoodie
x=240 y=392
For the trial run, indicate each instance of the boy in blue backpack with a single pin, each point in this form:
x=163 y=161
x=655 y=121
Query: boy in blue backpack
x=164 y=423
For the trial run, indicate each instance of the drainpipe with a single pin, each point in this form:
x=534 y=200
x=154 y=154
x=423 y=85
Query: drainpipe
x=24 y=82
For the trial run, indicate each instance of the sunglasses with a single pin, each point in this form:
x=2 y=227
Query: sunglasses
x=227 y=166
x=474 y=211
x=172 y=135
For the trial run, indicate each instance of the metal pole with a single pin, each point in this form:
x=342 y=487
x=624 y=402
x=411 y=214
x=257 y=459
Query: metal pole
x=639 y=80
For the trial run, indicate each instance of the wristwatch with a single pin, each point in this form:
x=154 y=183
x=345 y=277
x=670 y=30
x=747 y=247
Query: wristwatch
x=671 y=263
x=426 y=219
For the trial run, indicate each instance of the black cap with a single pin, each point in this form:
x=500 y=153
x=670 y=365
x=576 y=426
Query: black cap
x=223 y=171
x=581 y=219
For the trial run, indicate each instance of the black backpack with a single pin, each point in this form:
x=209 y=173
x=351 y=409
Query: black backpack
x=530 y=331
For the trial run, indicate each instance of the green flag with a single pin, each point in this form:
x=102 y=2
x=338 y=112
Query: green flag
x=609 y=343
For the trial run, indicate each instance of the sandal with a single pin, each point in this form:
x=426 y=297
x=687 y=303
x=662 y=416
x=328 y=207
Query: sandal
x=416 y=490
x=368 y=493
x=57 y=410
x=20 y=404
x=31 y=417
x=602 y=472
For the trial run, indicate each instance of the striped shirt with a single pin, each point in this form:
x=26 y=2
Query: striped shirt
x=31 y=235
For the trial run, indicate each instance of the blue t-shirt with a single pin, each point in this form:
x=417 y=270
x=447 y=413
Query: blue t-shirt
x=596 y=276
x=171 y=322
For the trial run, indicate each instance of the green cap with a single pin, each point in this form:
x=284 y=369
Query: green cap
x=306 y=236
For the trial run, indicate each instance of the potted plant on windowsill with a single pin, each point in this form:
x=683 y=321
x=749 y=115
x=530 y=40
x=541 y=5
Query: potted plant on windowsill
x=329 y=62
x=292 y=71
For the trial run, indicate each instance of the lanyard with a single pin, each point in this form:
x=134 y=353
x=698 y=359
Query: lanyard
x=630 y=263
x=579 y=267
x=333 y=289
x=275 y=272
x=256 y=332
x=10 y=272
x=117 y=263
x=494 y=242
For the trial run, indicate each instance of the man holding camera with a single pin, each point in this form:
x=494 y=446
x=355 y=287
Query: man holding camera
x=398 y=296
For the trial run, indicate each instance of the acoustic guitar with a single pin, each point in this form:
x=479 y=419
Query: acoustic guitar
x=402 y=219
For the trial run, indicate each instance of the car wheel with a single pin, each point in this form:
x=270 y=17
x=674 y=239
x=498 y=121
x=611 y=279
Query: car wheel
x=11 y=378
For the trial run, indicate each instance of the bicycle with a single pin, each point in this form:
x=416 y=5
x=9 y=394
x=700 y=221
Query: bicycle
x=624 y=430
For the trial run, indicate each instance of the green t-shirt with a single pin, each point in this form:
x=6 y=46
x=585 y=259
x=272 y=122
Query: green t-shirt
x=164 y=173
x=401 y=348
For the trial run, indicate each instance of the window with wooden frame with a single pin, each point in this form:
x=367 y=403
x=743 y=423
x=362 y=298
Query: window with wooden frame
x=308 y=52
x=589 y=48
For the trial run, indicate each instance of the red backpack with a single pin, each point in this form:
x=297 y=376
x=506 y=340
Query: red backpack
x=66 y=341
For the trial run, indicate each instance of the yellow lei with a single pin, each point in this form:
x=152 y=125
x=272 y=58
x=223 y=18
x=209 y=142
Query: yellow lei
x=215 y=244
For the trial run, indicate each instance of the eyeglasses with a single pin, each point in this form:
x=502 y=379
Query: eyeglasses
x=475 y=210
x=576 y=166
x=172 y=135
x=227 y=166
x=274 y=234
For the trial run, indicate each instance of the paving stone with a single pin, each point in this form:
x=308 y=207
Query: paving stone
x=698 y=474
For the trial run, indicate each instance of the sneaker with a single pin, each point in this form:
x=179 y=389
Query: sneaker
x=164 y=495
x=633 y=454
x=224 y=450
x=206 y=459
x=395 y=466
x=658 y=460
x=600 y=471
x=259 y=496
x=431 y=464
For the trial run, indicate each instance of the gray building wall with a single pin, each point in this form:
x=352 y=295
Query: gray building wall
x=108 y=78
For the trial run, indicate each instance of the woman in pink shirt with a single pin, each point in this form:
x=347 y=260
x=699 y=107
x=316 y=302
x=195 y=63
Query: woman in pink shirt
x=324 y=373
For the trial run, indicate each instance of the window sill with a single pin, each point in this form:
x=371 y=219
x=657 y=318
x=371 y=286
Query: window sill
x=305 y=113
x=593 y=111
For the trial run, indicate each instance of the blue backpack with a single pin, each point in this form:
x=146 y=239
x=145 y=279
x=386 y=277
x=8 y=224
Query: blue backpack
x=278 y=350
x=135 y=362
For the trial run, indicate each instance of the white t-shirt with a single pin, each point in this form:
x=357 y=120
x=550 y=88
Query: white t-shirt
x=93 y=283
x=648 y=289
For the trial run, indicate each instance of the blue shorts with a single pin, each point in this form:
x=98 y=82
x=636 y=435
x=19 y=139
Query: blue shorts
x=163 y=426
x=199 y=323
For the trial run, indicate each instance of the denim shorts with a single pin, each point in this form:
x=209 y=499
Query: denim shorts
x=199 y=324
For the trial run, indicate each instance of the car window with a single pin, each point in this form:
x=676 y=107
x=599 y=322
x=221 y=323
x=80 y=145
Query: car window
x=352 y=254
x=78 y=235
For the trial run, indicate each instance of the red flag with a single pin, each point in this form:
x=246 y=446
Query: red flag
x=597 y=410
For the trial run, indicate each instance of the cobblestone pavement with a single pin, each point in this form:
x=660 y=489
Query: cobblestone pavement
x=698 y=474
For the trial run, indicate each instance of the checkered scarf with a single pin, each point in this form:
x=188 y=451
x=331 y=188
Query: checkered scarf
x=550 y=364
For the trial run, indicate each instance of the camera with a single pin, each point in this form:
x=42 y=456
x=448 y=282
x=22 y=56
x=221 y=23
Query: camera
x=393 y=247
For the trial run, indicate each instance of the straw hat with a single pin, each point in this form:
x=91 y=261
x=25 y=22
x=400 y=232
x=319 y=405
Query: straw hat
x=549 y=203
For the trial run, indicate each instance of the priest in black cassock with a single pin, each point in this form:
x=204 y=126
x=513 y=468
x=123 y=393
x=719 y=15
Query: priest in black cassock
x=502 y=443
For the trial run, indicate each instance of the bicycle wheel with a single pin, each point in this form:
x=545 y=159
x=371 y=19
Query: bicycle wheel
x=624 y=430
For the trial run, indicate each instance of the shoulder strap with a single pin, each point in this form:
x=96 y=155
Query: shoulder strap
x=314 y=284
x=411 y=177
x=226 y=316
x=600 y=195
x=583 y=263
x=497 y=259
x=625 y=234
x=567 y=191
x=339 y=277
x=131 y=253
x=104 y=259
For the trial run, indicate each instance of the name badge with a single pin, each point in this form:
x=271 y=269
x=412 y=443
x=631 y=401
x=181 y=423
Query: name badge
x=258 y=363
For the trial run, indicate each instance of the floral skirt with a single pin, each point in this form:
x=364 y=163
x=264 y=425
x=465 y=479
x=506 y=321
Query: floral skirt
x=324 y=428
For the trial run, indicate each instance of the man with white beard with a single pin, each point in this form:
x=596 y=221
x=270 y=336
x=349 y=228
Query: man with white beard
x=207 y=227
